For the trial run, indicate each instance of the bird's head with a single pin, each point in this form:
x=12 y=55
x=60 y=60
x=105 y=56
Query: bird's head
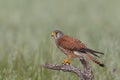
x=57 y=34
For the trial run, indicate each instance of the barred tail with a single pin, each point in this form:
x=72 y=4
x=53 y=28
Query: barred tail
x=93 y=59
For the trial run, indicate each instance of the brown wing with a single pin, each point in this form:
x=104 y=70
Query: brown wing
x=70 y=43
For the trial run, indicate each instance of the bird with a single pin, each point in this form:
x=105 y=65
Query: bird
x=74 y=48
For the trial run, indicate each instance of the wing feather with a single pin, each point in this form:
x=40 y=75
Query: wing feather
x=70 y=43
x=73 y=44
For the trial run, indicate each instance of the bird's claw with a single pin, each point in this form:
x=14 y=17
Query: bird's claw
x=66 y=61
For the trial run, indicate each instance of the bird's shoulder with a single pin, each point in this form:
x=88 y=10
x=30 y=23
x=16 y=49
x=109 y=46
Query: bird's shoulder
x=70 y=42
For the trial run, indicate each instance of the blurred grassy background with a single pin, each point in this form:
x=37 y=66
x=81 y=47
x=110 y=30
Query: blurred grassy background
x=25 y=42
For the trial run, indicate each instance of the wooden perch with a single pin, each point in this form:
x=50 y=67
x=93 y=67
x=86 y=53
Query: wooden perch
x=65 y=68
x=85 y=74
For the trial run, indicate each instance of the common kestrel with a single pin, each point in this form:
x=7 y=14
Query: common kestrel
x=74 y=48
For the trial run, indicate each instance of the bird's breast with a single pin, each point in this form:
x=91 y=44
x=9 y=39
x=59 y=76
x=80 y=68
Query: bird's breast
x=66 y=51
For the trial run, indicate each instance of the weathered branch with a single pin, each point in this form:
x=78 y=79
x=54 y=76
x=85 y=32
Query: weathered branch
x=85 y=74
x=66 y=68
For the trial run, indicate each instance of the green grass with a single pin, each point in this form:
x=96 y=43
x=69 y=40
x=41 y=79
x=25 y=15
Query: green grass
x=25 y=42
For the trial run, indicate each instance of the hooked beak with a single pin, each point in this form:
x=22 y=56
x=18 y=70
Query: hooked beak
x=53 y=34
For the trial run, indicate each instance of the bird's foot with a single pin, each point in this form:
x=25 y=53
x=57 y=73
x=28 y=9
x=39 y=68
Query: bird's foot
x=66 y=61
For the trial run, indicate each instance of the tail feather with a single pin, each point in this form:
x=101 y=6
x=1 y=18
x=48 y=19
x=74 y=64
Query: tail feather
x=93 y=59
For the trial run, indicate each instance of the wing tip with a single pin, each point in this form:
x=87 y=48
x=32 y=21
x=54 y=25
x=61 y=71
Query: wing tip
x=95 y=51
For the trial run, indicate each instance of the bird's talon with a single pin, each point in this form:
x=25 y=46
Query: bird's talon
x=66 y=61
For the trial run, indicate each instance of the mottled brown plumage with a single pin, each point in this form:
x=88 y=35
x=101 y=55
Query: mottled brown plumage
x=73 y=47
x=70 y=43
